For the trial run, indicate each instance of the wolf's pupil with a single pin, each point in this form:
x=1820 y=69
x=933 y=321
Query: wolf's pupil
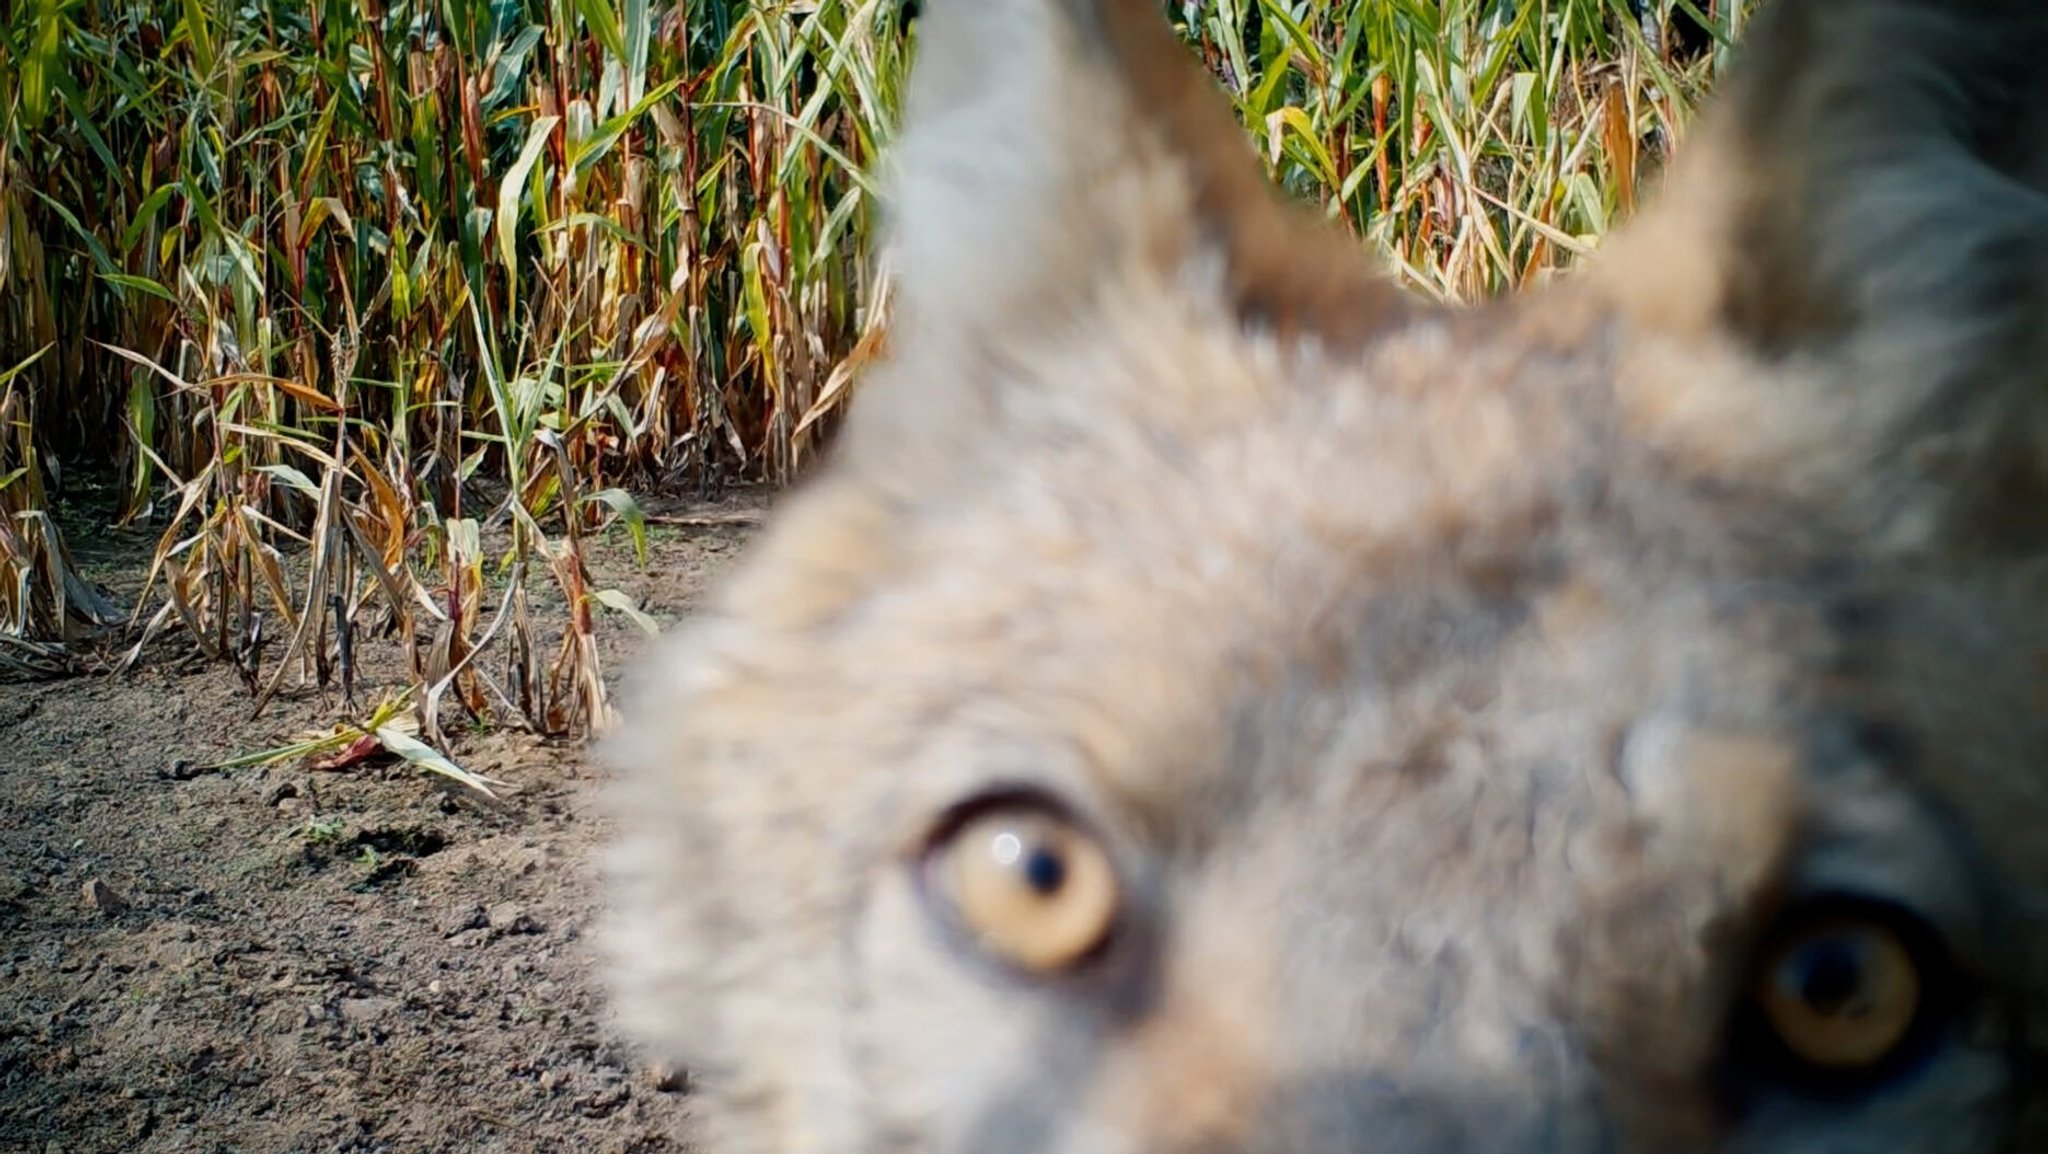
x=1829 y=974
x=1045 y=871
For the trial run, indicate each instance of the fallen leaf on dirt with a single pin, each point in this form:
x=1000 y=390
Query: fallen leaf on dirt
x=430 y=759
x=389 y=729
x=361 y=749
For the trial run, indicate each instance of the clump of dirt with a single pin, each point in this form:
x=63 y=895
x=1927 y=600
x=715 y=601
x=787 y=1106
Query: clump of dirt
x=285 y=959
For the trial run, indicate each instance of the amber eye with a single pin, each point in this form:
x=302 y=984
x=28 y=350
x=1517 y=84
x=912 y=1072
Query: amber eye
x=1033 y=888
x=1842 y=994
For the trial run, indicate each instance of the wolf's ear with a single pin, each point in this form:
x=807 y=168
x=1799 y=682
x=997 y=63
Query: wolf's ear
x=1058 y=150
x=1845 y=282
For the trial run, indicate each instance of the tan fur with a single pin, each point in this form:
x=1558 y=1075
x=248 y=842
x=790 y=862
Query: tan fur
x=1462 y=696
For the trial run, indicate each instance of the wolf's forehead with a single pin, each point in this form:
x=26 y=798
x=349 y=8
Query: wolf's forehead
x=1157 y=414
x=1197 y=680
x=1596 y=679
x=1437 y=705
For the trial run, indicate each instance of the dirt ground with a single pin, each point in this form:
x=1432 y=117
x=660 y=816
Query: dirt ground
x=283 y=959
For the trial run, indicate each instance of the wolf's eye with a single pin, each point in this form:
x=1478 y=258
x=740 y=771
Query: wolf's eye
x=1847 y=992
x=1033 y=888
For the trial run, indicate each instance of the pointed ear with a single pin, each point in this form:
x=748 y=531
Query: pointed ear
x=1053 y=148
x=1845 y=282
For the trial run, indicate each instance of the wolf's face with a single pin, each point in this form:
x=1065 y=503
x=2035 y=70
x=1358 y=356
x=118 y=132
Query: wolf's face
x=1212 y=703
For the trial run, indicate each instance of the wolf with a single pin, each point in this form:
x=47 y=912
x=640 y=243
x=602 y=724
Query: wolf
x=1213 y=702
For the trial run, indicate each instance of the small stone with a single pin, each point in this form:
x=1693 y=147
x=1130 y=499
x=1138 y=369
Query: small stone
x=667 y=1079
x=510 y=918
x=100 y=896
x=365 y=1010
x=282 y=791
x=472 y=918
x=434 y=987
x=604 y=1100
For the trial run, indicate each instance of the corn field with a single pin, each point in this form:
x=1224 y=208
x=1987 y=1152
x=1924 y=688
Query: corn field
x=322 y=292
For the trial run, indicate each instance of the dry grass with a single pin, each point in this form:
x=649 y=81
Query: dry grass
x=303 y=277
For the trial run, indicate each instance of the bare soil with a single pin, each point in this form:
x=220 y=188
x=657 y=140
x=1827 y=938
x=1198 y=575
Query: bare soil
x=284 y=959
